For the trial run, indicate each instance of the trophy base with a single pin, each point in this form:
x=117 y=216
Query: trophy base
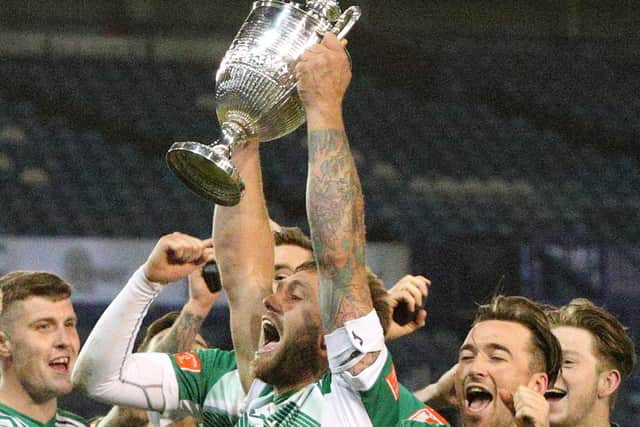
x=206 y=171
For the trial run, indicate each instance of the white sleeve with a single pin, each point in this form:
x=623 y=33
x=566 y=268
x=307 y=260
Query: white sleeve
x=106 y=368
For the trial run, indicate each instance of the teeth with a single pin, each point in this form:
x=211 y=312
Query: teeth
x=64 y=360
x=476 y=389
x=268 y=322
x=555 y=393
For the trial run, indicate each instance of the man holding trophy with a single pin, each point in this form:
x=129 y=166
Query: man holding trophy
x=288 y=333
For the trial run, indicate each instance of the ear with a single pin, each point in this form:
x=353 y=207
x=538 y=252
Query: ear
x=608 y=382
x=323 y=348
x=5 y=345
x=539 y=382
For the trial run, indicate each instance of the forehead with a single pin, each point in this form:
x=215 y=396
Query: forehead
x=574 y=339
x=291 y=256
x=36 y=307
x=512 y=335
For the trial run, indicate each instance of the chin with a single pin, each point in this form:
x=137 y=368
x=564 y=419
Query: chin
x=60 y=388
x=557 y=420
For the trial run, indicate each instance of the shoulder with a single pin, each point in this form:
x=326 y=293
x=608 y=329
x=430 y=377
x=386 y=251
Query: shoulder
x=424 y=417
x=69 y=419
x=206 y=359
x=10 y=417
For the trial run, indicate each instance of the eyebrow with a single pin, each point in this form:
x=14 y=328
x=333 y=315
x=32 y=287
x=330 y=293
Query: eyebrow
x=280 y=266
x=52 y=319
x=490 y=346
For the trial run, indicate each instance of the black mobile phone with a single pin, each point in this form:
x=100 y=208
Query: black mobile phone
x=402 y=315
x=211 y=276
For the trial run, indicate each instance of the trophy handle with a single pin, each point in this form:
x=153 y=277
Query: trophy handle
x=346 y=21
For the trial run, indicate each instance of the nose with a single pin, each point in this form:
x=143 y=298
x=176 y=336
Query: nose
x=479 y=365
x=273 y=303
x=64 y=338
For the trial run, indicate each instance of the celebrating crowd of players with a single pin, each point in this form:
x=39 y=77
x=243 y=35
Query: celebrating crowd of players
x=308 y=321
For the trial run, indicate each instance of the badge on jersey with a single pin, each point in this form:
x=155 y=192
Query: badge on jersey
x=392 y=382
x=428 y=415
x=188 y=361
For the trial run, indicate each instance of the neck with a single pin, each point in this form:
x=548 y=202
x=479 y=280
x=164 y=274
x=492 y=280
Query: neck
x=307 y=379
x=13 y=395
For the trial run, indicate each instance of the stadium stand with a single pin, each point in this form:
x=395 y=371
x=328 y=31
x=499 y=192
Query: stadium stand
x=543 y=146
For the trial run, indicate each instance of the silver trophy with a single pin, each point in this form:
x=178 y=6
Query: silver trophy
x=256 y=90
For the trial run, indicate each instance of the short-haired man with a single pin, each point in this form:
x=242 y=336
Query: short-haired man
x=598 y=355
x=39 y=344
x=506 y=363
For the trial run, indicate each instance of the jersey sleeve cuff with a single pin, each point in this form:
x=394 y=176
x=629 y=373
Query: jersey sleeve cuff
x=347 y=345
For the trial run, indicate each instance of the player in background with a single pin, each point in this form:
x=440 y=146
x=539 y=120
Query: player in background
x=39 y=345
x=598 y=355
x=507 y=362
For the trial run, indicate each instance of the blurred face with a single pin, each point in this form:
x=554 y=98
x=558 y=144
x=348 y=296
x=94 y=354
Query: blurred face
x=575 y=394
x=199 y=342
x=494 y=360
x=290 y=350
x=44 y=346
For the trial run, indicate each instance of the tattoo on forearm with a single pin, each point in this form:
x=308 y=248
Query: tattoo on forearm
x=182 y=334
x=336 y=216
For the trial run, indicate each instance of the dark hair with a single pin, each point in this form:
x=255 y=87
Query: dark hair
x=292 y=236
x=547 y=354
x=157 y=326
x=380 y=298
x=612 y=342
x=20 y=285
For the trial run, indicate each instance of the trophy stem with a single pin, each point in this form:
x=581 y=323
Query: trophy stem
x=207 y=170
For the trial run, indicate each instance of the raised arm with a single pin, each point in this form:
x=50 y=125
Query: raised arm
x=106 y=369
x=244 y=248
x=335 y=205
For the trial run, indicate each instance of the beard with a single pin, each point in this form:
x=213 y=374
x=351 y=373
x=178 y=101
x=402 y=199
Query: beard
x=296 y=360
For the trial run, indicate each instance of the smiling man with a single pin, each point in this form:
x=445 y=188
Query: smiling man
x=39 y=344
x=598 y=355
x=506 y=363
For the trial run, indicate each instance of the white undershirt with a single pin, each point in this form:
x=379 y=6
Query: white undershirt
x=107 y=369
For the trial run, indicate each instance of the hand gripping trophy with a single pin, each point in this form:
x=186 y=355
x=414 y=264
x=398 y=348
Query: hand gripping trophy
x=256 y=90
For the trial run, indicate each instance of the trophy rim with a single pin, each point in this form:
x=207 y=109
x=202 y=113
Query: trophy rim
x=290 y=5
x=205 y=172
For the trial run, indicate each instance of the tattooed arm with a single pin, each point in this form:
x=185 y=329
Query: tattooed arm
x=335 y=205
x=181 y=336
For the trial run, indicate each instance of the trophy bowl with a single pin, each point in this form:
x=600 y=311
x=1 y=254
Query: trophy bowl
x=256 y=94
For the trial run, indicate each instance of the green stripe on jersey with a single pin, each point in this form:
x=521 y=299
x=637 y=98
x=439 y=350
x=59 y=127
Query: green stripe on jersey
x=9 y=417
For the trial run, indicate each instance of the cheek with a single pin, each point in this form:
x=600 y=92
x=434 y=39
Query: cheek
x=509 y=377
x=577 y=377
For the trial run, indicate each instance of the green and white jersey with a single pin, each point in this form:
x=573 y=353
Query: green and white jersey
x=209 y=387
x=11 y=418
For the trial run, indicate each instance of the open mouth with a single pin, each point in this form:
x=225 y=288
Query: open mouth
x=477 y=398
x=270 y=336
x=554 y=394
x=60 y=364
